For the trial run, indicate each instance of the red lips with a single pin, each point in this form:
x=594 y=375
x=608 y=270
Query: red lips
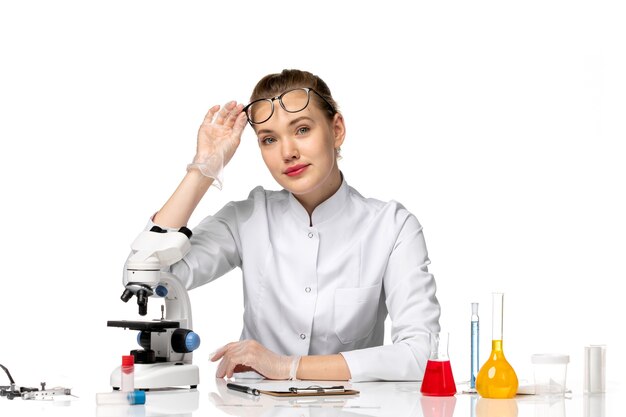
x=295 y=170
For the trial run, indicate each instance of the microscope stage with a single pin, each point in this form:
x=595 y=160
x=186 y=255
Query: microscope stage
x=144 y=325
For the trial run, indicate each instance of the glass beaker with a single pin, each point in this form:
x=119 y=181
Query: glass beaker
x=438 y=379
x=497 y=378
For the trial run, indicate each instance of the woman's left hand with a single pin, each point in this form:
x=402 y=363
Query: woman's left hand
x=249 y=355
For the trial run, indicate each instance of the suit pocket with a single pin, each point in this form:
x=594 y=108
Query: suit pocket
x=355 y=312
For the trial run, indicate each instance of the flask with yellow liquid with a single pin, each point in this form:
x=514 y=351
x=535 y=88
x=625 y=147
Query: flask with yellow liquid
x=497 y=378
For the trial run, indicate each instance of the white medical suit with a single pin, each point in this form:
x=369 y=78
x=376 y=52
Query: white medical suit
x=324 y=284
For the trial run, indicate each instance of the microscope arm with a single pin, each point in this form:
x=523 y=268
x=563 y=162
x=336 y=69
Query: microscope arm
x=177 y=303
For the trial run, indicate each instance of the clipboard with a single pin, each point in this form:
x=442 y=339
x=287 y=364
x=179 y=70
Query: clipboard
x=311 y=391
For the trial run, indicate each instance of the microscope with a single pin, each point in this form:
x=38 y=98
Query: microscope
x=164 y=360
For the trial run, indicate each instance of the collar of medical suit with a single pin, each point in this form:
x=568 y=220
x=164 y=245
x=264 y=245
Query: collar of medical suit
x=325 y=211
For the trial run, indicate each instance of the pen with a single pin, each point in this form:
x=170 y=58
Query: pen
x=317 y=388
x=244 y=389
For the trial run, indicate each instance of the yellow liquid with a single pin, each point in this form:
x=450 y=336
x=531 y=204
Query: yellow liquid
x=496 y=378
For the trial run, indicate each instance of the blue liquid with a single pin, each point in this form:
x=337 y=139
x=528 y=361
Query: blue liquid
x=474 y=354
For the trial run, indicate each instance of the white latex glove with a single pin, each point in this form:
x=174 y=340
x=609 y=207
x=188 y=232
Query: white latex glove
x=218 y=139
x=249 y=355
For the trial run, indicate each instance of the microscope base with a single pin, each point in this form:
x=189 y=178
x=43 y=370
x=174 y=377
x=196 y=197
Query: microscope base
x=161 y=375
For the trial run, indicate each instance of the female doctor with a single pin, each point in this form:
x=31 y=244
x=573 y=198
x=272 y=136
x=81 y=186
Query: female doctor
x=322 y=265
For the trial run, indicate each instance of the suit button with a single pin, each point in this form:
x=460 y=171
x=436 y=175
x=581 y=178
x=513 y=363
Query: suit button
x=310 y=235
x=307 y=289
x=302 y=336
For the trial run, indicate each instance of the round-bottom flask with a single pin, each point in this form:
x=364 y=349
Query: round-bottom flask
x=497 y=378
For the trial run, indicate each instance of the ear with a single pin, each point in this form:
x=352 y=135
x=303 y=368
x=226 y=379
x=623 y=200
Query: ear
x=339 y=129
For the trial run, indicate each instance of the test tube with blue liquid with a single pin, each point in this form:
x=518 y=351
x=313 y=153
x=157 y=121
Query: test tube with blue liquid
x=474 y=350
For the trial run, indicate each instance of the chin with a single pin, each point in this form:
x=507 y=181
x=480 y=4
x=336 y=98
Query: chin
x=298 y=186
x=297 y=189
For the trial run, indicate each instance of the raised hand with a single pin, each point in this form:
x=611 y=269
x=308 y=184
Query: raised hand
x=218 y=139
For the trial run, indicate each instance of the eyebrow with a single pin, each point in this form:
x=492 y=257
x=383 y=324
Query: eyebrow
x=291 y=123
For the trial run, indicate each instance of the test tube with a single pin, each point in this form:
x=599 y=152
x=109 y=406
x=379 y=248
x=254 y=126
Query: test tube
x=121 y=398
x=474 y=349
x=128 y=374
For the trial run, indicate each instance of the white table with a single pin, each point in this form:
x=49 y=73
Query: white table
x=212 y=398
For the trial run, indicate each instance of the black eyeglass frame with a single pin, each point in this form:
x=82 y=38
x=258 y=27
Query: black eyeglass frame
x=308 y=90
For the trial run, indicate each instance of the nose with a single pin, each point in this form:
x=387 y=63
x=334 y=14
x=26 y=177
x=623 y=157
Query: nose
x=290 y=150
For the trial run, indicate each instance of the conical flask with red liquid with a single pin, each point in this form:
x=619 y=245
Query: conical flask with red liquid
x=438 y=380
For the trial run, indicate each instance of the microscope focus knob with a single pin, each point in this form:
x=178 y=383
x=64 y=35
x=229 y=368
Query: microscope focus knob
x=185 y=341
x=161 y=291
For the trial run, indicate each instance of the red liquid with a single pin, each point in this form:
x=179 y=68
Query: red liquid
x=438 y=379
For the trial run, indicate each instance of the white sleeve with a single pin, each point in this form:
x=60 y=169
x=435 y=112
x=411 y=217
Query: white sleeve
x=414 y=311
x=214 y=249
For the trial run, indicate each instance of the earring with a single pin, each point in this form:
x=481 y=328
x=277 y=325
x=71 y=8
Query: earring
x=338 y=153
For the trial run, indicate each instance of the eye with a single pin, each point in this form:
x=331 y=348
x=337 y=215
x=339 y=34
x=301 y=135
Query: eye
x=303 y=130
x=268 y=140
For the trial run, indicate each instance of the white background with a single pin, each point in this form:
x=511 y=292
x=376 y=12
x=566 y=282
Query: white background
x=500 y=125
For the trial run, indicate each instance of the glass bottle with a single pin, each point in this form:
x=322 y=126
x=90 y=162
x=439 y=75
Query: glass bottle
x=438 y=379
x=497 y=378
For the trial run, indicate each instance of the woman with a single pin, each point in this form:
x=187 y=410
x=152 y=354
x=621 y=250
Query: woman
x=322 y=265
